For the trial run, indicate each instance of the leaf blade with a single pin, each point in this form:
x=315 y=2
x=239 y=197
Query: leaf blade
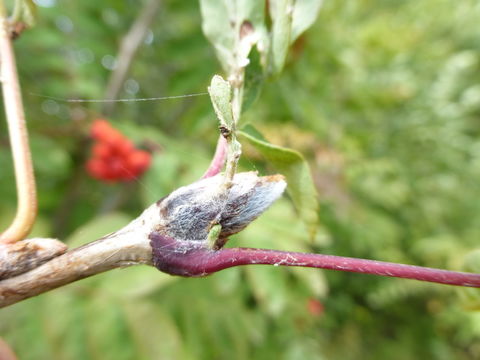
x=293 y=165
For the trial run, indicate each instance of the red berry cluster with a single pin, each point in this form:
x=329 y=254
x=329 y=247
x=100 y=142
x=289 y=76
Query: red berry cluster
x=114 y=157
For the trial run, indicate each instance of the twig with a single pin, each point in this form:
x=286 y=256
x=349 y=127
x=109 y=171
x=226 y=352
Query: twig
x=126 y=247
x=128 y=48
x=25 y=180
x=201 y=262
x=27 y=254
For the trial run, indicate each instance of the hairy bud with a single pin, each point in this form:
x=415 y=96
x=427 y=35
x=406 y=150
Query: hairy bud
x=197 y=219
x=189 y=213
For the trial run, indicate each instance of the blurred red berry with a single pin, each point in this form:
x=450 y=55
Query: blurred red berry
x=114 y=157
x=101 y=150
x=122 y=146
x=100 y=129
x=96 y=168
x=139 y=160
x=315 y=307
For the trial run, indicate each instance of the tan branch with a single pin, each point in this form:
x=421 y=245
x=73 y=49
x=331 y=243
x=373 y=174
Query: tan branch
x=25 y=255
x=128 y=48
x=25 y=180
x=126 y=247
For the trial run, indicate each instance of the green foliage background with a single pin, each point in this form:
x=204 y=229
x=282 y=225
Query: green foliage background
x=383 y=100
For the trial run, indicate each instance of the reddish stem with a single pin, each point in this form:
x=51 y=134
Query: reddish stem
x=245 y=256
x=218 y=159
x=191 y=260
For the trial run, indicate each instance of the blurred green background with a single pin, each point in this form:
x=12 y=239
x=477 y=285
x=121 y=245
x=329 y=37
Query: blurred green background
x=381 y=97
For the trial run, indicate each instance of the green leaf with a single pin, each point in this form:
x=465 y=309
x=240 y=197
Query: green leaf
x=280 y=229
x=153 y=330
x=281 y=14
x=305 y=13
x=220 y=95
x=136 y=282
x=290 y=19
x=50 y=158
x=295 y=168
x=269 y=287
x=29 y=12
x=25 y=11
x=253 y=80
x=221 y=24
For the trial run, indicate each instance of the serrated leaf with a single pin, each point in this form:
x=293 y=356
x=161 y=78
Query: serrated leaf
x=118 y=343
x=269 y=287
x=295 y=168
x=472 y=261
x=279 y=228
x=133 y=283
x=153 y=330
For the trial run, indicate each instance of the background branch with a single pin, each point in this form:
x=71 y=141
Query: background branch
x=128 y=48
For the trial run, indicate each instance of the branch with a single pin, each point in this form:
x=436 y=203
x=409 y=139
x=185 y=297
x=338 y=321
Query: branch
x=126 y=247
x=128 y=48
x=27 y=254
x=25 y=180
x=173 y=235
x=201 y=262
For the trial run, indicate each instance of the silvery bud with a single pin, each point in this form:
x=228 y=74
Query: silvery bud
x=188 y=213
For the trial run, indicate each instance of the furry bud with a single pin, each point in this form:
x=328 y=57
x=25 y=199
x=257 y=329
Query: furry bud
x=189 y=213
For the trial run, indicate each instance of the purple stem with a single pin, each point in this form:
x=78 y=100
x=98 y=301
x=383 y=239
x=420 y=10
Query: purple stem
x=194 y=261
x=218 y=159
